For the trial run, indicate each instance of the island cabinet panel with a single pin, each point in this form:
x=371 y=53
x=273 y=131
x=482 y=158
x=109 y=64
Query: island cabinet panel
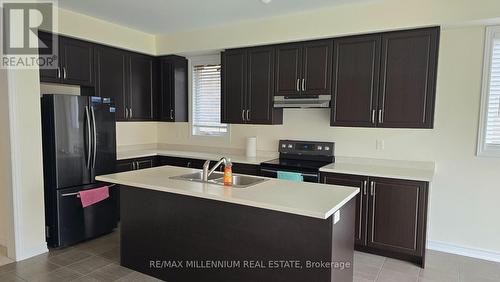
x=111 y=77
x=242 y=243
x=356 y=66
x=391 y=215
x=408 y=78
x=174 y=89
x=248 y=86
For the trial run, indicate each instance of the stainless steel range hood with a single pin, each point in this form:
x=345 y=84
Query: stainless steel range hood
x=302 y=101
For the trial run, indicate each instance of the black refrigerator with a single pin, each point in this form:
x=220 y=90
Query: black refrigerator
x=79 y=143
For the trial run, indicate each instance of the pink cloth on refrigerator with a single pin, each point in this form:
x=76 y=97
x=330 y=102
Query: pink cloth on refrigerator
x=90 y=197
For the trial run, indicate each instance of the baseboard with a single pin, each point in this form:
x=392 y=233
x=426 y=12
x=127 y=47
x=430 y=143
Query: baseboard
x=463 y=251
x=35 y=251
x=3 y=251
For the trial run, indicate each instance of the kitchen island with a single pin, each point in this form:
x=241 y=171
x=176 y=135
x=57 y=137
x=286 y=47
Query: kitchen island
x=276 y=230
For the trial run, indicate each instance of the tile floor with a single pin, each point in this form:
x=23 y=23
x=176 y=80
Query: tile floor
x=98 y=260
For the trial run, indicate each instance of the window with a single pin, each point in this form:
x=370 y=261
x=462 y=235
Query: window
x=206 y=101
x=489 y=133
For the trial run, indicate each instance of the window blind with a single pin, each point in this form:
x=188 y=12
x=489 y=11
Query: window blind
x=207 y=101
x=492 y=136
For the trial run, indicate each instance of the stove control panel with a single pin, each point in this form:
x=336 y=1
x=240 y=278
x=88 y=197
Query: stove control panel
x=306 y=147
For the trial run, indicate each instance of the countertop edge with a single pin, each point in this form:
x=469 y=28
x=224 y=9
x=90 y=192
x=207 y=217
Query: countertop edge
x=375 y=174
x=240 y=202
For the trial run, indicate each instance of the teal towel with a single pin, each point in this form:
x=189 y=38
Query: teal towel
x=292 y=176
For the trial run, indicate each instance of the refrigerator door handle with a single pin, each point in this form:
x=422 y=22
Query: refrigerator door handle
x=95 y=136
x=87 y=117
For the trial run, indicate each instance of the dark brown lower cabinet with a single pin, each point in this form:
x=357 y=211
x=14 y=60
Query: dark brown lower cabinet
x=391 y=215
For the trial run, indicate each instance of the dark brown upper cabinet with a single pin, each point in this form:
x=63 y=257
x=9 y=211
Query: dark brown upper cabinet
x=356 y=65
x=111 y=78
x=142 y=84
x=408 y=78
x=233 y=81
x=304 y=68
x=75 y=61
x=248 y=86
x=174 y=89
x=130 y=79
x=391 y=215
x=385 y=80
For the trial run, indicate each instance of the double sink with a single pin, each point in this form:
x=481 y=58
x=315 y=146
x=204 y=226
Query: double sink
x=239 y=181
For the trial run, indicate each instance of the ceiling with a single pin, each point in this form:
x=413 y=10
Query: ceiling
x=170 y=16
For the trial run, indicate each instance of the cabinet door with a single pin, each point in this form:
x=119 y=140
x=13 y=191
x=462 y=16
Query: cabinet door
x=173 y=96
x=260 y=85
x=49 y=75
x=288 y=69
x=397 y=215
x=141 y=87
x=77 y=61
x=234 y=86
x=111 y=75
x=360 y=182
x=317 y=68
x=356 y=66
x=124 y=165
x=167 y=90
x=408 y=77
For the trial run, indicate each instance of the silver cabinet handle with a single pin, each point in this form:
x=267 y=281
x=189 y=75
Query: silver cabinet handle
x=64 y=72
x=373 y=115
x=130 y=112
x=189 y=164
x=95 y=135
x=365 y=187
x=172 y=114
x=297 y=86
x=126 y=113
x=58 y=72
x=243 y=115
x=89 y=148
x=248 y=115
x=303 y=84
x=380 y=116
x=372 y=188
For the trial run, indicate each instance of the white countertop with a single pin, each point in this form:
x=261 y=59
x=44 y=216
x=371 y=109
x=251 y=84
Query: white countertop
x=410 y=170
x=235 y=157
x=301 y=198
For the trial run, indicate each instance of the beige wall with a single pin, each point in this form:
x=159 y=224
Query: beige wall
x=99 y=31
x=134 y=133
x=369 y=16
x=5 y=171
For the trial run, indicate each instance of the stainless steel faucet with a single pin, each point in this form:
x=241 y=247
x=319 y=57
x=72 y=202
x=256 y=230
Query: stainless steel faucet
x=206 y=165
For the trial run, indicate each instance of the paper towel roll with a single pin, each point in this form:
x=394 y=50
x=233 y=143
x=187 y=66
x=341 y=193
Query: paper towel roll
x=251 y=147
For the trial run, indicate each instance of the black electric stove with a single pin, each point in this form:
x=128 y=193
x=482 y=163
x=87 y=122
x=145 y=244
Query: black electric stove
x=304 y=157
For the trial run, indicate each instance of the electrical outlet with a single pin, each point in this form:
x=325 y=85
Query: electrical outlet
x=380 y=144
